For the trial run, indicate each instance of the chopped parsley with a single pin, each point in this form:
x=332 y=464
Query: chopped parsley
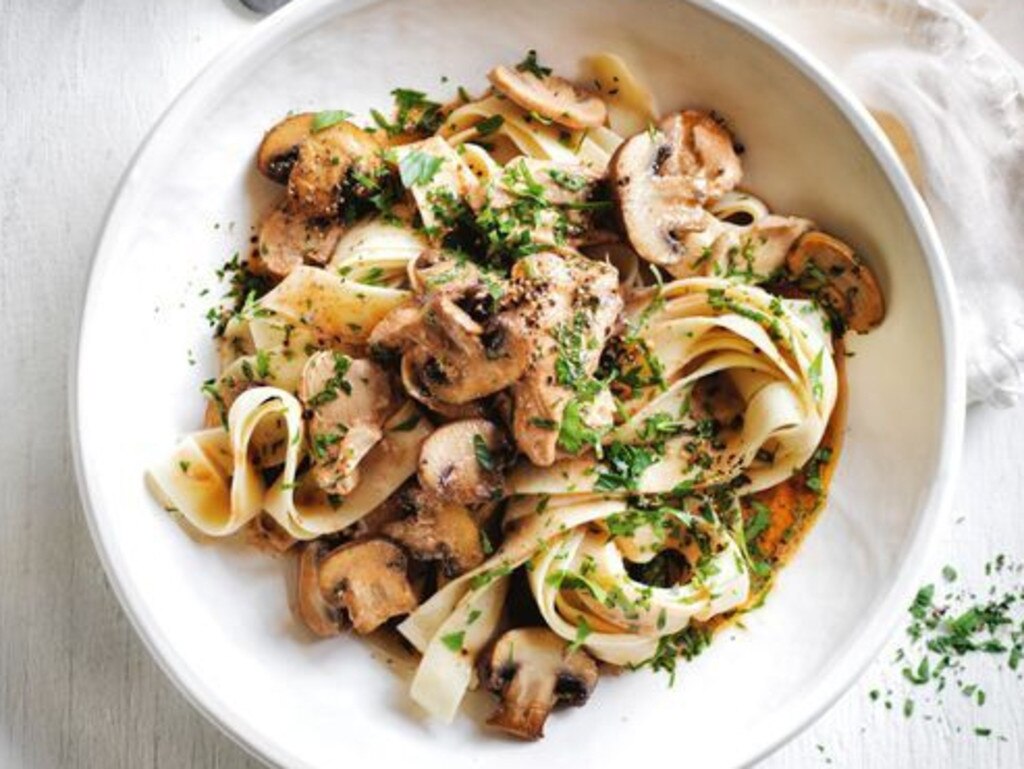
x=453 y=641
x=417 y=168
x=414 y=113
x=814 y=374
x=574 y=434
x=624 y=465
x=485 y=578
x=320 y=444
x=759 y=523
x=489 y=125
x=337 y=383
x=263 y=365
x=406 y=424
x=567 y=181
x=687 y=643
x=531 y=65
x=325 y=119
x=582 y=632
x=484 y=457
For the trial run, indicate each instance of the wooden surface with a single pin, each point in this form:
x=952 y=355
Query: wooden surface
x=80 y=84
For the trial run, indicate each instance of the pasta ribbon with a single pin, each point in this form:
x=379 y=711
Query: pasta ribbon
x=529 y=134
x=215 y=480
x=329 y=306
x=730 y=357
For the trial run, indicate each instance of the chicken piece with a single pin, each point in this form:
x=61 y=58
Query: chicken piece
x=754 y=252
x=581 y=305
x=568 y=199
x=349 y=400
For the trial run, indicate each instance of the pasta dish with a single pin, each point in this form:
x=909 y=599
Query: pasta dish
x=528 y=378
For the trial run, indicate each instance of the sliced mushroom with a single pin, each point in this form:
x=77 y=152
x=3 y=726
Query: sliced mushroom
x=412 y=382
x=363 y=582
x=280 y=146
x=438 y=530
x=320 y=615
x=661 y=179
x=582 y=304
x=755 y=251
x=532 y=669
x=461 y=462
x=316 y=184
x=829 y=269
x=550 y=96
x=458 y=343
x=288 y=239
x=348 y=400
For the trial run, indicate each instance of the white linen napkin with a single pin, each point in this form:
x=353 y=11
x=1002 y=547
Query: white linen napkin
x=960 y=97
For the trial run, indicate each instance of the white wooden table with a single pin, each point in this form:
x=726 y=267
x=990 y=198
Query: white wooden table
x=81 y=81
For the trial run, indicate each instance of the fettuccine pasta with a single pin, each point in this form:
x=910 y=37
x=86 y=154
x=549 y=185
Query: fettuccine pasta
x=528 y=378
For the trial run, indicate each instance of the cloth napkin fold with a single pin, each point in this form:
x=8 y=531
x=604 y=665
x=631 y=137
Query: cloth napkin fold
x=946 y=91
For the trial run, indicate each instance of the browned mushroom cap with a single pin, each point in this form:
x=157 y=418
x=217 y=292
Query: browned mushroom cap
x=280 y=146
x=551 y=97
x=317 y=179
x=349 y=400
x=830 y=270
x=438 y=530
x=533 y=669
x=288 y=239
x=661 y=179
x=461 y=462
x=365 y=581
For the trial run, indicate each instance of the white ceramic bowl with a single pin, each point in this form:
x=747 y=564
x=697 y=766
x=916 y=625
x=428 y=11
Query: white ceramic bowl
x=216 y=617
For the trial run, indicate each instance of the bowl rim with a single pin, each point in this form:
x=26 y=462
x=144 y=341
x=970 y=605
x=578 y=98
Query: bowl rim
x=922 y=535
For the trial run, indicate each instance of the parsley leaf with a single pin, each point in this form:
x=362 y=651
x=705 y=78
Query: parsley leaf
x=418 y=168
x=327 y=118
x=582 y=631
x=483 y=454
x=487 y=126
x=453 y=641
x=625 y=465
x=530 y=64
